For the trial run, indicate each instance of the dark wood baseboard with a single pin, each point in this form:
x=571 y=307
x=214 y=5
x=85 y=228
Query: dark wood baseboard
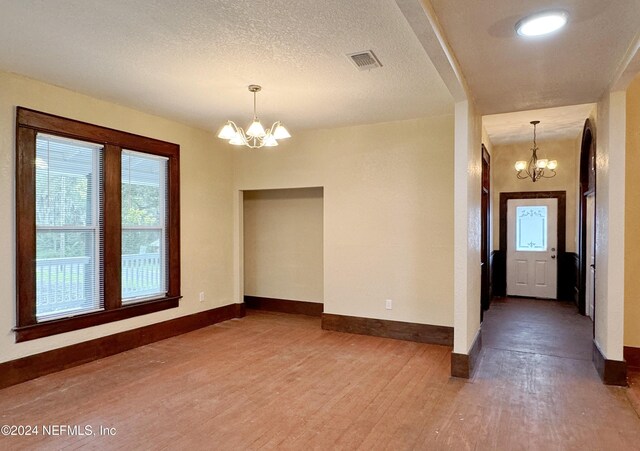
x=33 y=366
x=568 y=276
x=422 y=333
x=284 y=305
x=612 y=372
x=632 y=357
x=499 y=274
x=464 y=365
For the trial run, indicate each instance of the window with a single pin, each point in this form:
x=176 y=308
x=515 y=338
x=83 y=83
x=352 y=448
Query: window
x=97 y=225
x=144 y=181
x=68 y=227
x=531 y=228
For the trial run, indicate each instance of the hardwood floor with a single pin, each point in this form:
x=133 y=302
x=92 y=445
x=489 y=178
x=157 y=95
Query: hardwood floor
x=273 y=380
x=545 y=348
x=553 y=328
x=634 y=388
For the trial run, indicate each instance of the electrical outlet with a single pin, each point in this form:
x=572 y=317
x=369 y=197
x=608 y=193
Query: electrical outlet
x=388 y=304
x=202 y=296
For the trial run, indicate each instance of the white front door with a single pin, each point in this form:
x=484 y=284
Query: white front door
x=532 y=239
x=591 y=255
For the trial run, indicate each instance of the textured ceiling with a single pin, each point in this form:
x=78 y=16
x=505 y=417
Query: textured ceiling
x=192 y=60
x=508 y=73
x=555 y=123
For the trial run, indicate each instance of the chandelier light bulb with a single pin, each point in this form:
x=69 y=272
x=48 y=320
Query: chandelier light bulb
x=237 y=140
x=520 y=165
x=256 y=135
x=552 y=164
x=256 y=130
x=281 y=132
x=227 y=132
x=270 y=141
x=541 y=164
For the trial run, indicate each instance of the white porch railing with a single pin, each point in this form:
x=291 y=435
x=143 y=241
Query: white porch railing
x=62 y=283
x=67 y=283
x=141 y=275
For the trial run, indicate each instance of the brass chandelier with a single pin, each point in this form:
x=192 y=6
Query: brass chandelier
x=255 y=136
x=535 y=168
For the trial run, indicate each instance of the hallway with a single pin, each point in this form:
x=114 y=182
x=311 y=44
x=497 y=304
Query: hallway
x=550 y=328
x=537 y=355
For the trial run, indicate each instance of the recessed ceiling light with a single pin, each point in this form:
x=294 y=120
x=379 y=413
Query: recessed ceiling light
x=542 y=23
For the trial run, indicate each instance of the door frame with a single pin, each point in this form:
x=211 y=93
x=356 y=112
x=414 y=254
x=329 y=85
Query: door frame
x=561 y=196
x=587 y=187
x=587 y=196
x=485 y=236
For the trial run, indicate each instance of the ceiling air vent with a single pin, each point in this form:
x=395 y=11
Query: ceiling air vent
x=365 y=60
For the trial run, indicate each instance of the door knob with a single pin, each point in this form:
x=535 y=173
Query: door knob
x=553 y=256
x=553 y=249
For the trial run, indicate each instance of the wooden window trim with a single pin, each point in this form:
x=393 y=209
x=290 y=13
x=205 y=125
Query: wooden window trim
x=28 y=124
x=58 y=326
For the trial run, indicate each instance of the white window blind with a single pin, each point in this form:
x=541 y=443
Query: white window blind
x=68 y=227
x=144 y=226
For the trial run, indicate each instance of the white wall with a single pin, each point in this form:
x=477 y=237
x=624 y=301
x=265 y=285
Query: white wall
x=205 y=195
x=283 y=244
x=610 y=217
x=388 y=213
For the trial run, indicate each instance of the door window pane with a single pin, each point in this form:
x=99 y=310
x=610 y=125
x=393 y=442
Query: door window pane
x=531 y=228
x=68 y=234
x=144 y=197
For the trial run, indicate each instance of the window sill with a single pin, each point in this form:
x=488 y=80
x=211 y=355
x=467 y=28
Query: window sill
x=59 y=326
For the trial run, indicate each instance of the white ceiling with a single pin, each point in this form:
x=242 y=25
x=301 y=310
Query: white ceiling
x=555 y=123
x=508 y=73
x=192 y=60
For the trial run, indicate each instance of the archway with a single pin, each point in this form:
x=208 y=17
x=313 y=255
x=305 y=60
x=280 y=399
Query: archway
x=587 y=189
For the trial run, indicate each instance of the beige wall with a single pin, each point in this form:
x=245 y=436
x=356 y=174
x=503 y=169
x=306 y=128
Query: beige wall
x=467 y=228
x=632 y=219
x=610 y=226
x=283 y=244
x=504 y=179
x=388 y=213
x=206 y=206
